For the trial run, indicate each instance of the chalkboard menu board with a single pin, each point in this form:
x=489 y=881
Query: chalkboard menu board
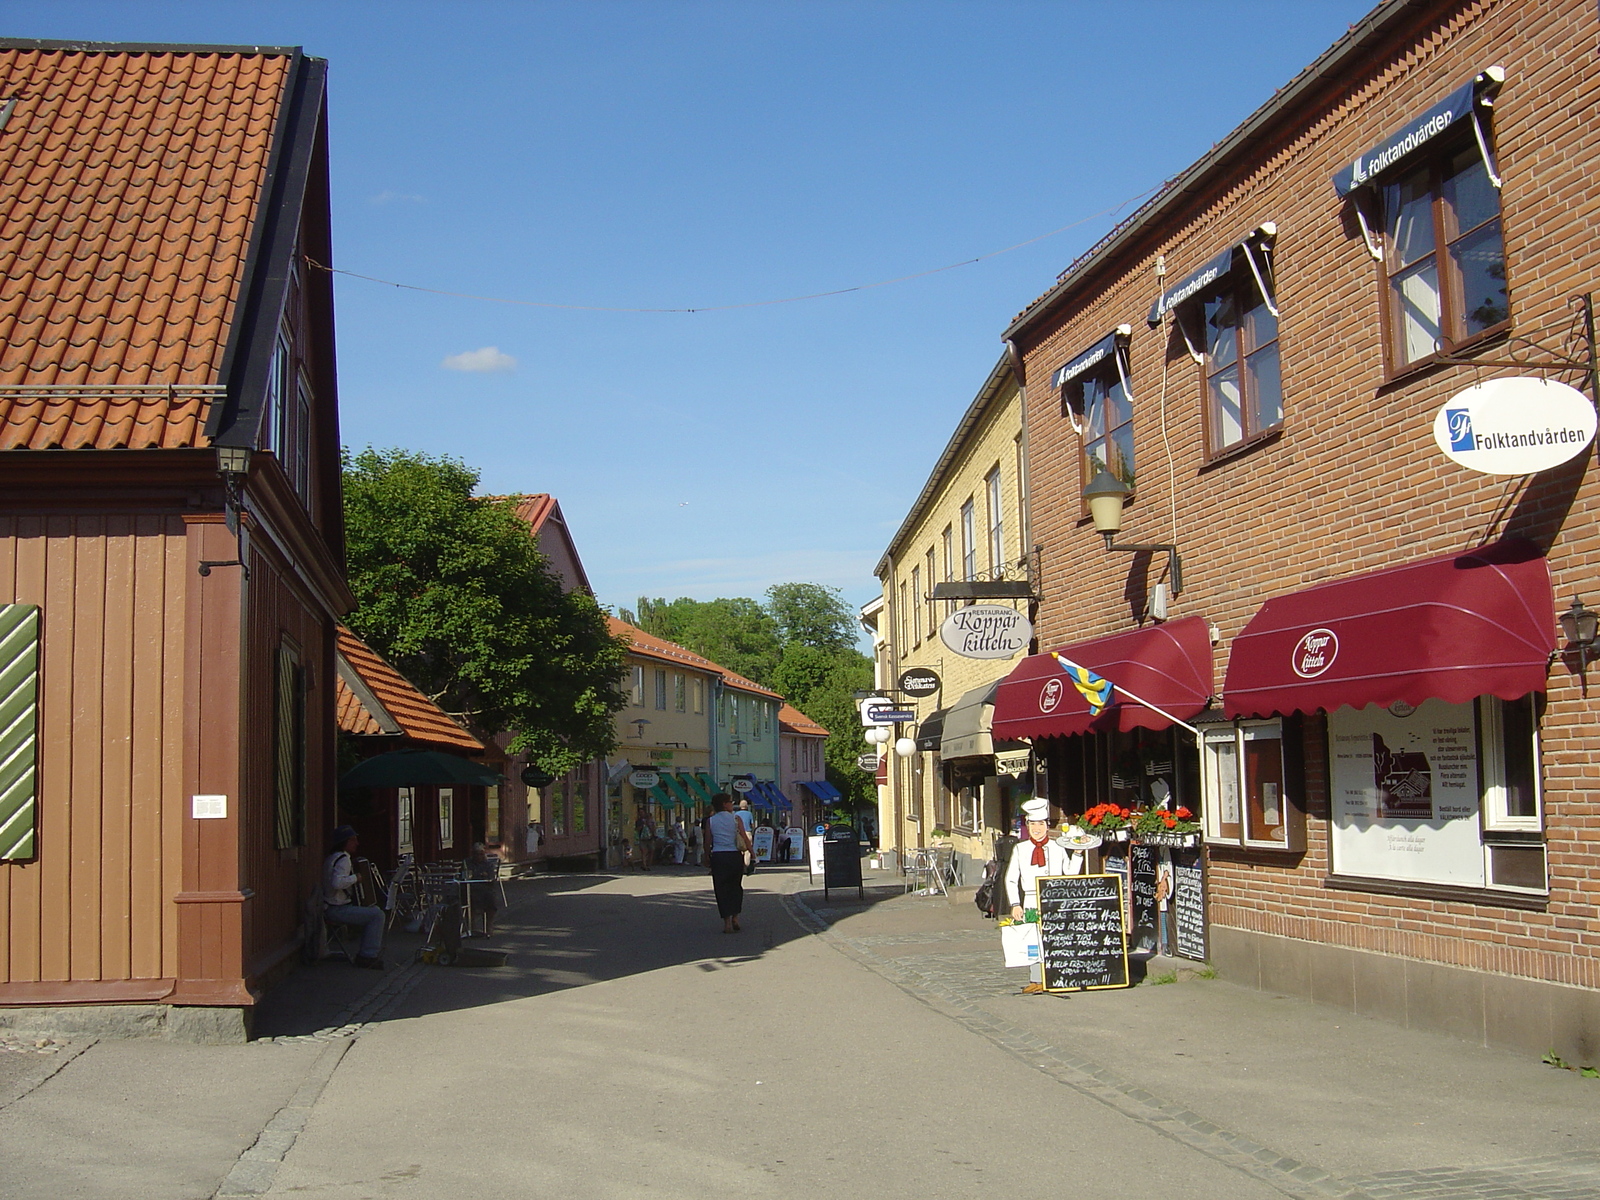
x=841 y=865
x=1143 y=863
x=1188 y=904
x=1083 y=945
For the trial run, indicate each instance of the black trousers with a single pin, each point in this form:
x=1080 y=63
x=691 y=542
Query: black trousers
x=727 y=879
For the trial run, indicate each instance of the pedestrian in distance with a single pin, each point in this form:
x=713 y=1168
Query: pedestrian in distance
x=644 y=840
x=338 y=878
x=727 y=844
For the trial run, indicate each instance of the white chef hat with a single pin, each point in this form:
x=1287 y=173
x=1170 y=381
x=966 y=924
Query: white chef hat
x=1036 y=810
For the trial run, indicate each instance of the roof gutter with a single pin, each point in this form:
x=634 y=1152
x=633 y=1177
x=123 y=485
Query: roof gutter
x=1350 y=47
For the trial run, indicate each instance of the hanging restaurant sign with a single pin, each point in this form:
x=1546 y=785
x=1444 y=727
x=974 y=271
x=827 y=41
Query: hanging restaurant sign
x=986 y=631
x=1514 y=426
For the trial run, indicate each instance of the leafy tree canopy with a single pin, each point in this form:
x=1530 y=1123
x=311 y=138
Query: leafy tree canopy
x=738 y=634
x=452 y=590
x=809 y=614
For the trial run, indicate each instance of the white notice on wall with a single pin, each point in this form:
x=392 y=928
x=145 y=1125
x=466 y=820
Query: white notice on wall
x=208 y=808
x=1405 y=793
x=1270 y=814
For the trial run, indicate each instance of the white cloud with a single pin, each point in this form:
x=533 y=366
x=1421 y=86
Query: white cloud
x=488 y=359
x=391 y=197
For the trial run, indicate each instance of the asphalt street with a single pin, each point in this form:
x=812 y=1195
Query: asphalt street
x=832 y=1048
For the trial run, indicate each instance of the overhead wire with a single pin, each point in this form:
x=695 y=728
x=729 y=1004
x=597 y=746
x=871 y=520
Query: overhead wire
x=705 y=308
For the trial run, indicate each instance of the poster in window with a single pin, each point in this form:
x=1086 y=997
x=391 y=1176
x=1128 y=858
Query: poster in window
x=1405 y=793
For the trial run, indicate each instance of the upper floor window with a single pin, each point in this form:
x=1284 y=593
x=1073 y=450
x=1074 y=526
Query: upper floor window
x=1444 y=256
x=636 y=687
x=680 y=692
x=931 y=616
x=697 y=693
x=997 y=537
x=947 y=540
x=969 y=541
x=1096 y=397
x=286 y=422
x=1244 y=389
x=911 y=609
x=661 y=690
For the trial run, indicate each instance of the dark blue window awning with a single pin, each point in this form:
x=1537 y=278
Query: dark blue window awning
x=1087 y=361
x=1460 y=105
x=822 y=790
x=1191 y=285
x=779 y=800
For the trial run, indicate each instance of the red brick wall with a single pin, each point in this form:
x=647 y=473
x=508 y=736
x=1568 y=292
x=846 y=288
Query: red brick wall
x=1355 y=482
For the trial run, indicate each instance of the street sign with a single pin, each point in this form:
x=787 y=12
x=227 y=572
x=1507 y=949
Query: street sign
x=868 y=705
x=887 y=714
x=742 y=785
x=919 y=681
x=644 y=780
x=867 y=762
x=536 y=777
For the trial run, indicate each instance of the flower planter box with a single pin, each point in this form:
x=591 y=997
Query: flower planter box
x=1110 y=835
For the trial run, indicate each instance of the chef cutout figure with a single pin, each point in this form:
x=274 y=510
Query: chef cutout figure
x=1038 y=854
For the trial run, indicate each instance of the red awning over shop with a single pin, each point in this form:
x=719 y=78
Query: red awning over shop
x=1169 y=665
x=1450 y=628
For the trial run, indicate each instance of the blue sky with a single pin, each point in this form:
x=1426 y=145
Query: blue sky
x=682 y=154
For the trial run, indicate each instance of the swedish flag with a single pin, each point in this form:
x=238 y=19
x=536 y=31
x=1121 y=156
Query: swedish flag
x=1096 y=691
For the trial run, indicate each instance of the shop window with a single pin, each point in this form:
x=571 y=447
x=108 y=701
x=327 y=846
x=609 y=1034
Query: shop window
x=969 y=807
x=556 y=808
x=405 y=815
x=1100 y=404
x=636 y=687
x=447 y=818
x=1246 y=787
x=1444 y=256
x=579 y=806
x=1441 y=794
x=491 y=813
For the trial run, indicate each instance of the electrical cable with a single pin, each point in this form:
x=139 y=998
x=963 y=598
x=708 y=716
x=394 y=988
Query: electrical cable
x=860 y=287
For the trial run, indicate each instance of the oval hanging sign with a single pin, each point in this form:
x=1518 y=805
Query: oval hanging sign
x=986 y=631
x=1514 y=426
x=644 y=780
x=919 y=681
x=741 y=785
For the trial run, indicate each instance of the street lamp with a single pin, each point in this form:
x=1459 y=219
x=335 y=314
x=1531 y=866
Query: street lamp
x=1105 y=497
x=233 y=464
x=1580 y=625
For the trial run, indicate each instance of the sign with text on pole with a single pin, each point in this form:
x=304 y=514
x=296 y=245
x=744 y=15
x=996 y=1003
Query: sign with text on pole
x=867 y=762
x=919 y=681
x=1514 y=426
x=880 y=710
x=986 y=631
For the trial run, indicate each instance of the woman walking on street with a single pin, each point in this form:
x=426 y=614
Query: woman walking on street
x=726 y=843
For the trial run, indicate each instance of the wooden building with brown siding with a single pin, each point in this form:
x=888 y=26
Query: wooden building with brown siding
x=167 y=411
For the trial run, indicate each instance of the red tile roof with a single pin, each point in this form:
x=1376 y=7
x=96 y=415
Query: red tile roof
x=129 y=181
x=650 y=646
x=417 y=717
x=792 y=720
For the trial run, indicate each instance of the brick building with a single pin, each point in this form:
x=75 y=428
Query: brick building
x=1404 y=819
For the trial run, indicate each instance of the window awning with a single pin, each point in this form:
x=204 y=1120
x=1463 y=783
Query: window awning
x=662 y=797
x=707 y=784
x=678 y=789
x=1253 y=244
x=822 y=790
x=697 y=787
x=967 y=724
x=1460 y=105
x=930 y=729
x=1169 y=665
x=1087 y=361
x=1448 y=628
x=779 y=800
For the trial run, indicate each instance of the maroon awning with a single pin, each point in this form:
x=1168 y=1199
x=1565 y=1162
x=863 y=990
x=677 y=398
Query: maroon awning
x=1449 y=628
x=1169 y=665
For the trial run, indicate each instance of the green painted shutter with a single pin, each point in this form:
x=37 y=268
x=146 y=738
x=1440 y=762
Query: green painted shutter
x=19 y=728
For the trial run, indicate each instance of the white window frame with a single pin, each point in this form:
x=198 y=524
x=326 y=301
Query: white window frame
x=447 y=818
x=680 y=692
x=1211 y=791
x=1492 y=772
x=969 y=807
x=969 y=534
x=638 y=687
x=405 y=819
x=997 y=528
x=661 y=689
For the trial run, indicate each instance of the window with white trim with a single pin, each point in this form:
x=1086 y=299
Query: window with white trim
x=636 y=687
x=997 y=534
x=447 y=818
x=1243 y=786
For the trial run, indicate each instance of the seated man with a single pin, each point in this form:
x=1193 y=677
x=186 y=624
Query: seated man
x=338 y=877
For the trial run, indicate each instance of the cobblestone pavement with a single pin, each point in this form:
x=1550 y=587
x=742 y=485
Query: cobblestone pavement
x=954 y=972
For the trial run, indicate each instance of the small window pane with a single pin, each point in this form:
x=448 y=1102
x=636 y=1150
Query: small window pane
x=1260 y=326
x=1417 y=292
x=1229 y=422
x=1480 y=262
x=1521 y=795
x=1120 y=454
x=1265 y=807
x=1222 y=336
x=1470 y=199
x=1118 y=410
x=1266 y=391
x=1224 y=754
x=1409 y=207
x=1094 y=408
x=1095 y=452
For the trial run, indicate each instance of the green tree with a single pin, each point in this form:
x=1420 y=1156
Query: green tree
x=735 y=633
x=812 y=615
x=452 y=590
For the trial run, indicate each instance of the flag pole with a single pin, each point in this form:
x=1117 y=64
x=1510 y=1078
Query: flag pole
x=1117 y=687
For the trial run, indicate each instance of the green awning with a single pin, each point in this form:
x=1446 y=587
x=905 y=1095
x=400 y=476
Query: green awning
x=676 y=787
x=662 y=797
x=697 y=787
x=418 y=768
x=708 y=783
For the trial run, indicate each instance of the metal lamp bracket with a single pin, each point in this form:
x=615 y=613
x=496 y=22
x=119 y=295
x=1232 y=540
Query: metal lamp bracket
x=1174 y=560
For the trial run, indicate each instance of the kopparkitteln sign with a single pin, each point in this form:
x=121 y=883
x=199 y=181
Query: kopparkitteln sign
x=986 y=631
x=1514 y=426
